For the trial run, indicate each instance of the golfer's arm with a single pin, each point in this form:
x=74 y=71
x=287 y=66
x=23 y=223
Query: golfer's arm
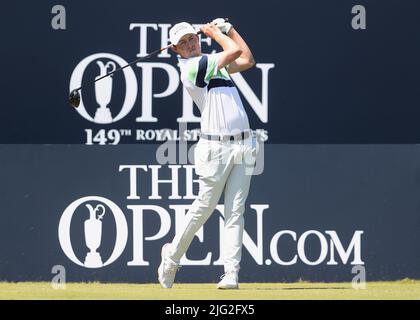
x=231 y=51
x=246 y=59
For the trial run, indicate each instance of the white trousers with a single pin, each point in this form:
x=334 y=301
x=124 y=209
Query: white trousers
x=221 y=166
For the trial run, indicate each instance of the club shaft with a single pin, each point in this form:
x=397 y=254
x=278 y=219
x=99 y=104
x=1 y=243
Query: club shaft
x=131 y=63
x=138 y=59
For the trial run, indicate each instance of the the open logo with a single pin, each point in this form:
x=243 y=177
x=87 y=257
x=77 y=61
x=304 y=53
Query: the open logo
x=93 y=230
x=106 y=63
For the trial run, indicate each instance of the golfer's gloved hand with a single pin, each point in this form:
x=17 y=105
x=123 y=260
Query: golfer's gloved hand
x=222 y=25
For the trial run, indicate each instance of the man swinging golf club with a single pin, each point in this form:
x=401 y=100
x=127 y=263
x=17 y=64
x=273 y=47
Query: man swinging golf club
x=226 y=149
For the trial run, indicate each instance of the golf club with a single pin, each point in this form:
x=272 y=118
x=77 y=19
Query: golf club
x=74 y=97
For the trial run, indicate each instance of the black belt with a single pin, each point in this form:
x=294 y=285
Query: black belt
x=214 y=83
x=215 y=137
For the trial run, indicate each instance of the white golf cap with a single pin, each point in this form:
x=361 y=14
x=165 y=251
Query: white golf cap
x=179 y=30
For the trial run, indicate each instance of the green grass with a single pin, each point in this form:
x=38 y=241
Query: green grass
x=404 y=289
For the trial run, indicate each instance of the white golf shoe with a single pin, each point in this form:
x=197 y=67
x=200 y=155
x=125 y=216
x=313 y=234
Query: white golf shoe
x=167 y=269
x=229 y=281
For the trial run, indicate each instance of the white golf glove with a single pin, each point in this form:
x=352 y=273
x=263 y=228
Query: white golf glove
x=222 y=25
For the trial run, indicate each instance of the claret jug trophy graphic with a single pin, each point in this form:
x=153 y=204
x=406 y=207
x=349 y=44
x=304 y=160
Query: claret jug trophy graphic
x=93 y=235
x=103 y=92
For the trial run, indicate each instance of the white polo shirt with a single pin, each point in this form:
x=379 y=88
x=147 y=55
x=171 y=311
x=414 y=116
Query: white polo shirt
x=213 y=92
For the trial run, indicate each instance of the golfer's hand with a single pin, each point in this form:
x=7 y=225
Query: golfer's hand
x=222 y=25
x=211 y=30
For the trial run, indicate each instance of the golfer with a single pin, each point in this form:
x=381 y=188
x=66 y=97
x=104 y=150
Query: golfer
x=225 y=153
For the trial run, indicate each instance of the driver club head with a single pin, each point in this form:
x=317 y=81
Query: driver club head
x=74 y=98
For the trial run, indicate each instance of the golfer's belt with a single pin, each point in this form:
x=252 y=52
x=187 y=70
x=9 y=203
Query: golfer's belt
x=234 y=137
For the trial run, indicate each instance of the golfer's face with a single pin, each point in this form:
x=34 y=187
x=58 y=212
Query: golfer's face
x=189 y=46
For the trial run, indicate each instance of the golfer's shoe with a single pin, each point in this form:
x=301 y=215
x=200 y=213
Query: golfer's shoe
x=167 y=269
x=229 y=281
